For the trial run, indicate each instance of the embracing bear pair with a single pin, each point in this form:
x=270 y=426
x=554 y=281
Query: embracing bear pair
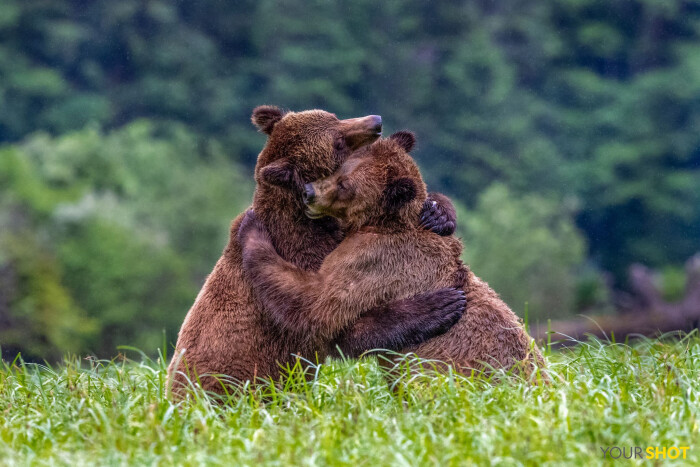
x=343 y=249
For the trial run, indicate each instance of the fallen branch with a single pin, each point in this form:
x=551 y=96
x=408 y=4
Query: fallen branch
x=649 y=317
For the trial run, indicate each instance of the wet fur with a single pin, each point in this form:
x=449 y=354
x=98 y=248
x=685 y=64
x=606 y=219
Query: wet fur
x=227 y=332
x=386 y=257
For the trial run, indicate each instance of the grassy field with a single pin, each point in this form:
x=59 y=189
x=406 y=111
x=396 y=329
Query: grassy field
x=603 y=395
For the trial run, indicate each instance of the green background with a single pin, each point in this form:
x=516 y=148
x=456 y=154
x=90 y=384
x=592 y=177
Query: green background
x=566 y=131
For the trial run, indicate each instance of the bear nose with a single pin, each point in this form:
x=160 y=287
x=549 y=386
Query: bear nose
x=309 y=194
x=377 y=123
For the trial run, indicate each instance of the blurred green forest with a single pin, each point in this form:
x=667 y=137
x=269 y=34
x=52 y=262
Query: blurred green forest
x=566 y=131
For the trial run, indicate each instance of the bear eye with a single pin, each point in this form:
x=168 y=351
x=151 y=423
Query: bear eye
x=339 y=144
x=344 y=190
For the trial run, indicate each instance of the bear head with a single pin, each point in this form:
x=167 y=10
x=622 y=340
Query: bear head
x=378 y=186
x=305 y=146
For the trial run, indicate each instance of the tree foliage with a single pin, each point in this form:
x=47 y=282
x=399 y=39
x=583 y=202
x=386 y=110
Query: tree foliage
x=98 y=245
x=594 y=99
x=591 y=102
x=527 y=249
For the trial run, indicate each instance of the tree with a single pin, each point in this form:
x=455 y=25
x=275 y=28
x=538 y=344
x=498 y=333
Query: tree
x=110 y=235
x=527 y=248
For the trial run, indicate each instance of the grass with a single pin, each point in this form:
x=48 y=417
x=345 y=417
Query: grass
x=118 y=412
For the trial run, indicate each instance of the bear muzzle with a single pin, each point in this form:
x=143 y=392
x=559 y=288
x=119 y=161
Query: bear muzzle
x=359 y=132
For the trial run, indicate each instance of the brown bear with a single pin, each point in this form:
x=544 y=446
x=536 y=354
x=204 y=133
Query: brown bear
x=226 y=333
x=376 y=196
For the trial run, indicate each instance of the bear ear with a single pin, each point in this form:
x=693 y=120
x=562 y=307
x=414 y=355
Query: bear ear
x=398 y=192
x=405 y=139
x=265 y=117
x=281 y=173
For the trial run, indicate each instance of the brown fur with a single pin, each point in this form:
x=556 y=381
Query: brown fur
x=377 y=196
x=226 y=332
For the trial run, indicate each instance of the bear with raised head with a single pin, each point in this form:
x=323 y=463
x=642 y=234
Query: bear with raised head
x=227 y=332
x=377 y=196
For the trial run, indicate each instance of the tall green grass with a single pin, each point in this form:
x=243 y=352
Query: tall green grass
x=118 y=412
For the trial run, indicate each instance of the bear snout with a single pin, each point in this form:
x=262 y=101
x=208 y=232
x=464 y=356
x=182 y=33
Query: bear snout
x=309 y=194
x=376 y=123
x=361 y=131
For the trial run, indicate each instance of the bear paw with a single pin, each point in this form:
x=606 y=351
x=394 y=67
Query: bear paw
x=438 y=217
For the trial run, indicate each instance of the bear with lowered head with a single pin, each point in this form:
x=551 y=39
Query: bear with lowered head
x=377 y=196
x=228 y=333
